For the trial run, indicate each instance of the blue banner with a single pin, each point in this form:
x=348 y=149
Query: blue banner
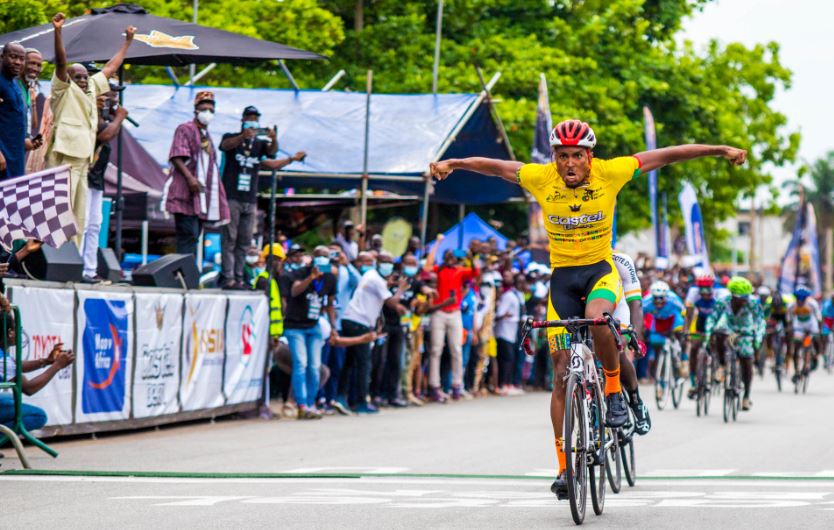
x=651 y=144
x=105 y=356
x=693 y=223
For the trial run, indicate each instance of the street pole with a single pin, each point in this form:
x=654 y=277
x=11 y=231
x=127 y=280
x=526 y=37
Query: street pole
x=364 y=207
x=119 y=206
x=829 y=260
x=437 y=38
x=192 y=69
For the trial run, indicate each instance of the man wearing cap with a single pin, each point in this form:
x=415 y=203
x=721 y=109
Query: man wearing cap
x=75 y=116
x=110 y=118
x=194 y=192
x=244 y=153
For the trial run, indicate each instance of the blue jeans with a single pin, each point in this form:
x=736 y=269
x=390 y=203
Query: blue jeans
x=33 y=417
x=333 y=358
x=305 y=346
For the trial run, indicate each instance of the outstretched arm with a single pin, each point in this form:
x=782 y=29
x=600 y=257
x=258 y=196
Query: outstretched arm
x=506 y=169
x=60 y=53
x=657 y=158
x=116 y=61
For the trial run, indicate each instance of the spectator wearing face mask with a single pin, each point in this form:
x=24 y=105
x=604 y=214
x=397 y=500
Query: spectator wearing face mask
x=360 y=317
x=333 y=354
x=195 y=194
x=310 y=291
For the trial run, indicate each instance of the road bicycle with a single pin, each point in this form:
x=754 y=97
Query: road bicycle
x=589 y=445
x=703 y=380
x=802 y=364
x=732 y=380
x=828 y=353
x=668 y=381
x=778 y=346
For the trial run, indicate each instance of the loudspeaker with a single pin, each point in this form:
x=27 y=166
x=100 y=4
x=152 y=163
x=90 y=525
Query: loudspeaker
x=108 y=265
x=55 y=264
x=165 y=272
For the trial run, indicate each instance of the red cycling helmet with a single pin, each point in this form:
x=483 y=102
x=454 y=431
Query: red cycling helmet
x=573 y=133
x=705 y=280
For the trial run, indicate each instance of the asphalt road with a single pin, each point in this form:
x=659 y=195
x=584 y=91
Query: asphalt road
x=481 y=463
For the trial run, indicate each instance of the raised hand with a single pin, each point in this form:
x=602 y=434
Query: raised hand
x=440 y=170
x=58 y=20
x=735 y=155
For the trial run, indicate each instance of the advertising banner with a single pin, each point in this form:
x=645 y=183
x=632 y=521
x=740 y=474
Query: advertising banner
x=693 y=223
x=104 y=355
x=46 y=320
x=203 y=346
x=156 y=378
x=247 y=339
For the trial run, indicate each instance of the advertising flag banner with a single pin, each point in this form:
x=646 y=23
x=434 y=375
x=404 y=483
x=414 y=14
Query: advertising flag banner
x=693 y=223
x=540 y=155
x=247 y=345
x=104 y=352
x=46 y=320
x=651 y=143
x=203 y=348
x=801 y=264
x=156 y=378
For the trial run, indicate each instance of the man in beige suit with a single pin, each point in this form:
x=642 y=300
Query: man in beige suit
x=75 y=116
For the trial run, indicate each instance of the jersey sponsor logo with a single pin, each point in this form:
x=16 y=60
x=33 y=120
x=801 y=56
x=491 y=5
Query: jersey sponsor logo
x=555 y=196
x=590 y=194
x=575 y=207
x=576 y=221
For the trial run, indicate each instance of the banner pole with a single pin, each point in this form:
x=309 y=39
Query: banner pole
x=364 y=198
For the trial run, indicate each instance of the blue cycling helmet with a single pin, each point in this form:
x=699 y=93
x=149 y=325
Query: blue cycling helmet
x=802 y=292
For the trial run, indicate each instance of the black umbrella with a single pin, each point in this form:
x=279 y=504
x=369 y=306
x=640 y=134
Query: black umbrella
x=158 y=41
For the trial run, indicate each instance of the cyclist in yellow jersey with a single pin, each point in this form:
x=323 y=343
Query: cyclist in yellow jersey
x=577 y=194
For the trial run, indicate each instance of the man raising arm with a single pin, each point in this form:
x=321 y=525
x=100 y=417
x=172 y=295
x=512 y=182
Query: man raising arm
x=577 y=194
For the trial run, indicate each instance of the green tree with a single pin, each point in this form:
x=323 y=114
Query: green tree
x=604 y=60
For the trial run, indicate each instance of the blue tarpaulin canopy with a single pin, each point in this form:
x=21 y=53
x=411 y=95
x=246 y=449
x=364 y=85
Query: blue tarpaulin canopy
x=407 y=132
x=460 y=235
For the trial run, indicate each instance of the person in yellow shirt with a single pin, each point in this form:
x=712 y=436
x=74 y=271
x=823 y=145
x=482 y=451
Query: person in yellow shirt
x=75 y=116
x=577 y=194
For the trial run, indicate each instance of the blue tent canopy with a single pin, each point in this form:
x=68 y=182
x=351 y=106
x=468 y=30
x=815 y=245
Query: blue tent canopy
x=460 y=235
x=407 y=132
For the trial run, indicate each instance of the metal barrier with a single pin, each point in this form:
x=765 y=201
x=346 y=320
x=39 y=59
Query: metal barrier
x=16 y=387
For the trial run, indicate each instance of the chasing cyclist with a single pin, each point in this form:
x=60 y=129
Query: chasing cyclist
x=577 y=194
x=738 y=314
x=663 y=310
x=629 y=310
x=805 y=316
x=701 y=299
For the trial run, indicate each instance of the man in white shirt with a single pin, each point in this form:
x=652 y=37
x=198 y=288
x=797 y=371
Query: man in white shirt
x=507 y=318
x=360 y=318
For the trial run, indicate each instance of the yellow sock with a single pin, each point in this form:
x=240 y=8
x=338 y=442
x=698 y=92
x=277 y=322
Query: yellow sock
x=612 y=381
x=560 y=455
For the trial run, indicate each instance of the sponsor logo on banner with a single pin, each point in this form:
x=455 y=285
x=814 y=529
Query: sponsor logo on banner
x=202 y=342
x=37 y=347
x=247 y=334
x=158 y=364
x=104 y=341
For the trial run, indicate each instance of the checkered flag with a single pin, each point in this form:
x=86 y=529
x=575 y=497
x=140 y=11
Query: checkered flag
x=37 y=206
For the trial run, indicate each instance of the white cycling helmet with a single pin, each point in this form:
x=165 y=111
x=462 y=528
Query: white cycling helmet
x=659 y=289
x=573 y=133
x=764 y=290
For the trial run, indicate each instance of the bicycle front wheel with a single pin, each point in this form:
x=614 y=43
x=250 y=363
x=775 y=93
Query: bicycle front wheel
x=614 y=463
x=598 y=435
x=576 y=446
x=662 y=378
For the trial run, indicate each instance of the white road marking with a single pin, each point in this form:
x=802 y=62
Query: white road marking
x=188 y=500
x=354 y=469
x=688 y=473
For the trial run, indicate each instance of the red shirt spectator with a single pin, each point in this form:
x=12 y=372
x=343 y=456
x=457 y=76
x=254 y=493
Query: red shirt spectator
x=450 y=281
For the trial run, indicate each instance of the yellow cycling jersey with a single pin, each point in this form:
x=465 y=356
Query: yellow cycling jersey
x=579 y=220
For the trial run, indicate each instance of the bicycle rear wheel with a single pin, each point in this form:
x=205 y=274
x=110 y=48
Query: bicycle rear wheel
x=677 y=384
x=576 y=445
x=728 y=396
x=627 y=458
x=736 y=388
x=597 y=468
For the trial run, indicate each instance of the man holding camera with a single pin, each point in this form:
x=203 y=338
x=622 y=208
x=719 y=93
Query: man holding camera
x=244 y=153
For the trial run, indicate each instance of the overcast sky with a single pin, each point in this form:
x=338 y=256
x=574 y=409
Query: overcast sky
x=804 y=30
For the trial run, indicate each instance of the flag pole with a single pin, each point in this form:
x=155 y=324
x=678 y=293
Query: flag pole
x=364 y=198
